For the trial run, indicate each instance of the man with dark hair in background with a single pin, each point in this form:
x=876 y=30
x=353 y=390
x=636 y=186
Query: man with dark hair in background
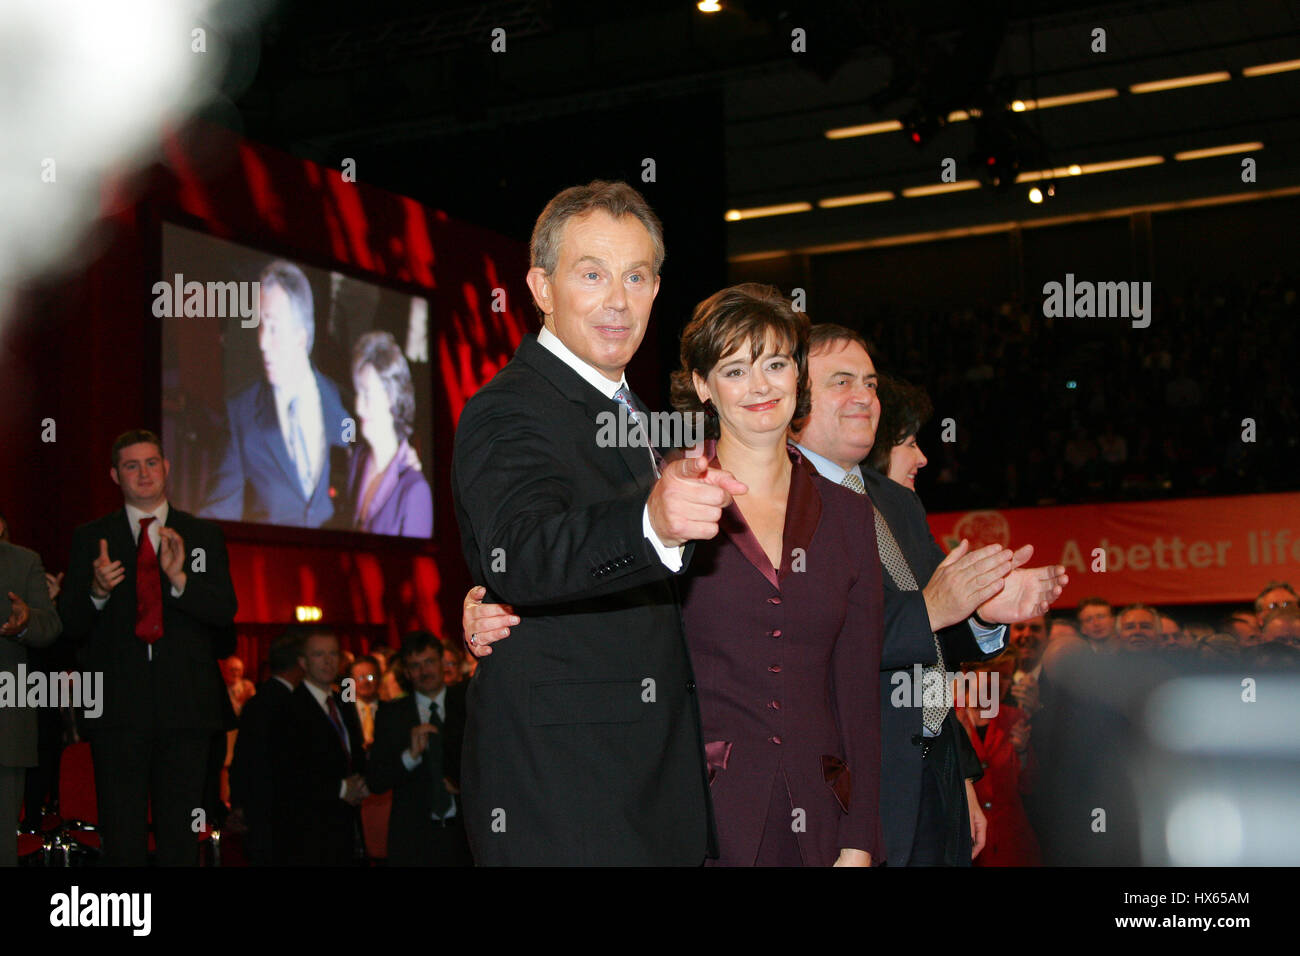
x=319 y=762
x=276 y=466
x=366 y=675
x=417 y=755
x=1097 y=623
x=1276 y=594
x=251 y=774
x=148 y=590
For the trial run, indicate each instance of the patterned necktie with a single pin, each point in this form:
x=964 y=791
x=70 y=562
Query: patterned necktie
x=637 y=420
x=148 y=587
x=298 y=448
x=367 y=724
x=933 y=676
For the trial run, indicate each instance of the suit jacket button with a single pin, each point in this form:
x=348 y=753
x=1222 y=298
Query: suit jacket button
x=776 y=739
x=690 y=687
x=774 y=600
x=774 y=705
x=775 y=633
x=988 y=805
x=775 y=668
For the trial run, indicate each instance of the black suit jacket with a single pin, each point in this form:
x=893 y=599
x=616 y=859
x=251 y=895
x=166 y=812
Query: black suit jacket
x=181 y=687
x=415 y=791
x=583 y=738
x=311 y=823
x=251 y=783
x=908 y=642
x=22 y=573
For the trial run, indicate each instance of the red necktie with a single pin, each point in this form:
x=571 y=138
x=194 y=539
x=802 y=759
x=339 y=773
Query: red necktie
x=148 y=588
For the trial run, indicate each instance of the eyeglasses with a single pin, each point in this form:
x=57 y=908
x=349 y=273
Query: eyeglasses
x=1273 y=605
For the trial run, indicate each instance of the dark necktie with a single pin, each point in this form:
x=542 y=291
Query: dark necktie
x=336 y=719
x=433 y=763
x=148 y=587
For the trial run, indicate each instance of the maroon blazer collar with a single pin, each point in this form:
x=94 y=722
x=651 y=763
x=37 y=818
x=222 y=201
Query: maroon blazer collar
x=803 y=511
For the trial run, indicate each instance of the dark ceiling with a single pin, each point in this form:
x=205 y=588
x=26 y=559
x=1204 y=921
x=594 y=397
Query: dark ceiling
x=403 y=87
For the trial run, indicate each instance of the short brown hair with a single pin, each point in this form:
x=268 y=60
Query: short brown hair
x=136 y=436
x=380 y=351
x=749 y=312
x=616 y=198
x=1272 y=586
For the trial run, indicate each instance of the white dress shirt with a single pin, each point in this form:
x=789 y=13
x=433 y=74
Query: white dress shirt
x=671 y=557
x=133 y=516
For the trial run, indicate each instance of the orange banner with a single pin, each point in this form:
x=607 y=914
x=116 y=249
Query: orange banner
x=1189 y=551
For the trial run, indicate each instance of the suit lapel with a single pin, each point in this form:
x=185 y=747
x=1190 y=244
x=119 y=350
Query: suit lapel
x=803 y=513
x=571 y=385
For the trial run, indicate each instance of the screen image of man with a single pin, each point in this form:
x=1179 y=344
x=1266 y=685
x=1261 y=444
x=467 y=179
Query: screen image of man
x=276 y=465
x=148 y=592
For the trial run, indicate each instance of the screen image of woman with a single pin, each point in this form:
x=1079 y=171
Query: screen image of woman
x=389 y=492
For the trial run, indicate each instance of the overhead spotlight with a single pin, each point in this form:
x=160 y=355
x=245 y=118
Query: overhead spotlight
x=921 y=125
x=1018 y=106
x=1035 y=195
x=1075 y=169
x=709 y=6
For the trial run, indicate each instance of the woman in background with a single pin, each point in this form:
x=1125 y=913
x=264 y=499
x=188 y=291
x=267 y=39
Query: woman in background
x=904 y=408
x=389 y=492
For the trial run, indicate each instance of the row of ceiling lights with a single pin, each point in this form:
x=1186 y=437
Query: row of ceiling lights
x=933 y=189
x=1020 y=106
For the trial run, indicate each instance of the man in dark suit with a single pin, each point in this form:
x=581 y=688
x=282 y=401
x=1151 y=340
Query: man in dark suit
x=251 y=769
x=318 y=766
x=276 y=466
x=148 y=590
x=30 y=621
x=583 y=738
x=959 y=603
x=955 y=605
x=416 y=754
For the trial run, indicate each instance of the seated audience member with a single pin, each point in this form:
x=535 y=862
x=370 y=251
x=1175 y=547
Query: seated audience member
x=251 y=794
x=238 y=687
x=1139 y=627
x=1276 y=594
x=904 y=409
x=1062 y=628
x=389 y=492
x=393 y=685
x=1000 y=736
x=1244 y=625
x=319 y=765
x=1029 y=640
x=416 y=754
x=366 y=678
x=1171 y=632
x=1282 y=626
x=1219 y=647
x=1097 y=623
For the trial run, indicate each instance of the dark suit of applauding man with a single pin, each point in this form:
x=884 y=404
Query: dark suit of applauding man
x=30 y=622
x=416 y=754
x=583 y=738
x=148 y=589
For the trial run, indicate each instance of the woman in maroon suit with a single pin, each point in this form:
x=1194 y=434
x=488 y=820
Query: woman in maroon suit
x=783 y=608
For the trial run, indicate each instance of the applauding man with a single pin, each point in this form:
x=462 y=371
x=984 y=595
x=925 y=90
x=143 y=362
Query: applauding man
x=148 y=588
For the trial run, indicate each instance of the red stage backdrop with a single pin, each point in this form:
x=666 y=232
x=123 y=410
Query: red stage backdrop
x=1189 y=551
x=83 y=357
